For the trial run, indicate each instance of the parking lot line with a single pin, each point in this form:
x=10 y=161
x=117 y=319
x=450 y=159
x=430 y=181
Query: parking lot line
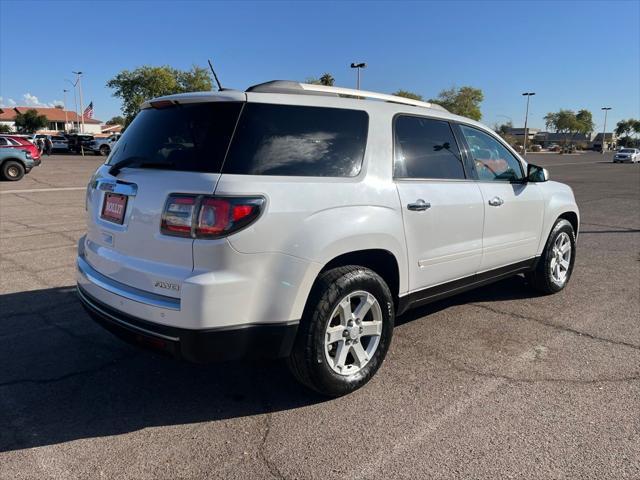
x=35 y=190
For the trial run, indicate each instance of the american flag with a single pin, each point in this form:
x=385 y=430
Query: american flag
x=88 y=112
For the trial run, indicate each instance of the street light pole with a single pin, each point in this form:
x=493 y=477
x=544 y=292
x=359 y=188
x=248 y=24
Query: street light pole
x=526 y=119
x=604 y=130
x=64 y=105
x=358 y=66
x=79 y=82
x=75 y=104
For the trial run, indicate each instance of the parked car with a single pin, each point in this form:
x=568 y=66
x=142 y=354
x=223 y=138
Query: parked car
x=20 y=143
x=103 y=146
x=631 y=155
x=554 y=147
x=60 y=143
x=285 y=222
x=15 y=163
x=79 y=141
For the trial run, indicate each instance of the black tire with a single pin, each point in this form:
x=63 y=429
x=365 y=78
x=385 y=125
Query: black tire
x=104 y=150
x=12 y=170
x=541 y=278
x=307 y=361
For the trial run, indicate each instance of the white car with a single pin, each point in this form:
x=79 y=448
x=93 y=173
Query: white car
x=631 y=155
x=103 y=146
x=59 y=142
x=298 y=221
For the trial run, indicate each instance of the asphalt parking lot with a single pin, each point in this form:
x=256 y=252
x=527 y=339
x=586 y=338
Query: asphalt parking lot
x=494 y=383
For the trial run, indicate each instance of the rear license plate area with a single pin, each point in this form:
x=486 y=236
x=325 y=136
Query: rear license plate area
x=114 y=207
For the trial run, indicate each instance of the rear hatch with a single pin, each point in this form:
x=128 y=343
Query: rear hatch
x=172 y=146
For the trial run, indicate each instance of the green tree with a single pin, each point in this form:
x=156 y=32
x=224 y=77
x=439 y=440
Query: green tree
x=624 y=129
x=504 y=129
x=4 y=128
x=408 y=94
x=326 y=79
x=146 y=82
x=117 y=120
x=585 y=123
x=570 y=123
x=463 y=101
x=30 y=121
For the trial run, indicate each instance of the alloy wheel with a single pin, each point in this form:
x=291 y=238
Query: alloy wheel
x=560 y=258
x=353 y=333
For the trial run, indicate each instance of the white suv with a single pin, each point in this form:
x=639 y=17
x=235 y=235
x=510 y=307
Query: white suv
x=297 y=221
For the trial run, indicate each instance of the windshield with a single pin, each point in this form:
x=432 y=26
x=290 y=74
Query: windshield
x=190 y=137
x=627 y=150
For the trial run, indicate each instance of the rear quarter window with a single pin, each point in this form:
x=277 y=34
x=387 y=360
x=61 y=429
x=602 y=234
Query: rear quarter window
x=298 y=141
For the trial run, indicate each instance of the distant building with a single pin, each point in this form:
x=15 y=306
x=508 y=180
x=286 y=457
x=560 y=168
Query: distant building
x=518 y=133
x=109 y=129
x=56 y=118
x=549 y=138
x=609 y=138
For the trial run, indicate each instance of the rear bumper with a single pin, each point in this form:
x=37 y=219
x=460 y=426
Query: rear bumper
x=201 y=346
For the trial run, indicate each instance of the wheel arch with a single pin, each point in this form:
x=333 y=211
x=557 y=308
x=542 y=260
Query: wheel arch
x=381 y=261
x=572 y=218
x=15 y=159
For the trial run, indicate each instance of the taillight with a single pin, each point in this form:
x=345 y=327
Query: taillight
x=204 y=216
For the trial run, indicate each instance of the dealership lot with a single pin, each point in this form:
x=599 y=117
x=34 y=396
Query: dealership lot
x=497 y=382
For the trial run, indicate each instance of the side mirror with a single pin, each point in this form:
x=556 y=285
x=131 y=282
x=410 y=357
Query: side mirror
x=536 y=173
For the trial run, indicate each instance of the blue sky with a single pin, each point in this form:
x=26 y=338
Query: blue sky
x=572 y=54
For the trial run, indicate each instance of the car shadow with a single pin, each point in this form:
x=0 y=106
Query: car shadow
x=64 y=378
x=513 y=288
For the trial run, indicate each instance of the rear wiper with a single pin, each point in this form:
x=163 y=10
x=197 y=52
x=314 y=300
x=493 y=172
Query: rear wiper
x=115 y=169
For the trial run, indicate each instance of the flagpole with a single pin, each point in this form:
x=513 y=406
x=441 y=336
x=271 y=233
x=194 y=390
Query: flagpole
x=79 y=74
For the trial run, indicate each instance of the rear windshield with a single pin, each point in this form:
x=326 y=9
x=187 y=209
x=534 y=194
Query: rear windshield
x=298 y=141
x=269 y=140
x=192 y=137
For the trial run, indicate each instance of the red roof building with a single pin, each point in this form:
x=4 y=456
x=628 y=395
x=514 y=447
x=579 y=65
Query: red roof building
x=56 y=117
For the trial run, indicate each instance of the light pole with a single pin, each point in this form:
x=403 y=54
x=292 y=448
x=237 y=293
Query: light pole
x=604 y=130
x=358 y=66
x=526 y=119
x=78 y=77
x=75 y=104
x=64 y=105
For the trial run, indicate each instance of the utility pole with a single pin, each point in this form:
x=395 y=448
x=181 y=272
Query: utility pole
x=358 y=66
x=604 y=130
x=79 y=82
x=526 y=118
x=75 y=105
x=64 y=106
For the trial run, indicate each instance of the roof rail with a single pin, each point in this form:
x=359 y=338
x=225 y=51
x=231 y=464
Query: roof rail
x=286 y=86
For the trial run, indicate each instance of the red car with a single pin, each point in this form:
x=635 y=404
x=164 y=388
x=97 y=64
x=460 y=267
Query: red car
x=14 y=141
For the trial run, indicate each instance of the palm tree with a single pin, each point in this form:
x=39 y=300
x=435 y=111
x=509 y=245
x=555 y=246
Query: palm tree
x=327 y=79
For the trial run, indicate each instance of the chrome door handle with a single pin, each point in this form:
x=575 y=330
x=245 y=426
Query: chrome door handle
x=419 y=205
x=496 y=202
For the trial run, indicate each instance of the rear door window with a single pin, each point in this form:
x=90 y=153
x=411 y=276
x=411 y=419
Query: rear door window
x=426 y=148
x=189 y=137
x=298 y=141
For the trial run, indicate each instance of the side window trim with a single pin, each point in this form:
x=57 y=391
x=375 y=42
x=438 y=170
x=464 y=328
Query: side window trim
x=497 y=139
x=469 y=166
x=465 y=169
